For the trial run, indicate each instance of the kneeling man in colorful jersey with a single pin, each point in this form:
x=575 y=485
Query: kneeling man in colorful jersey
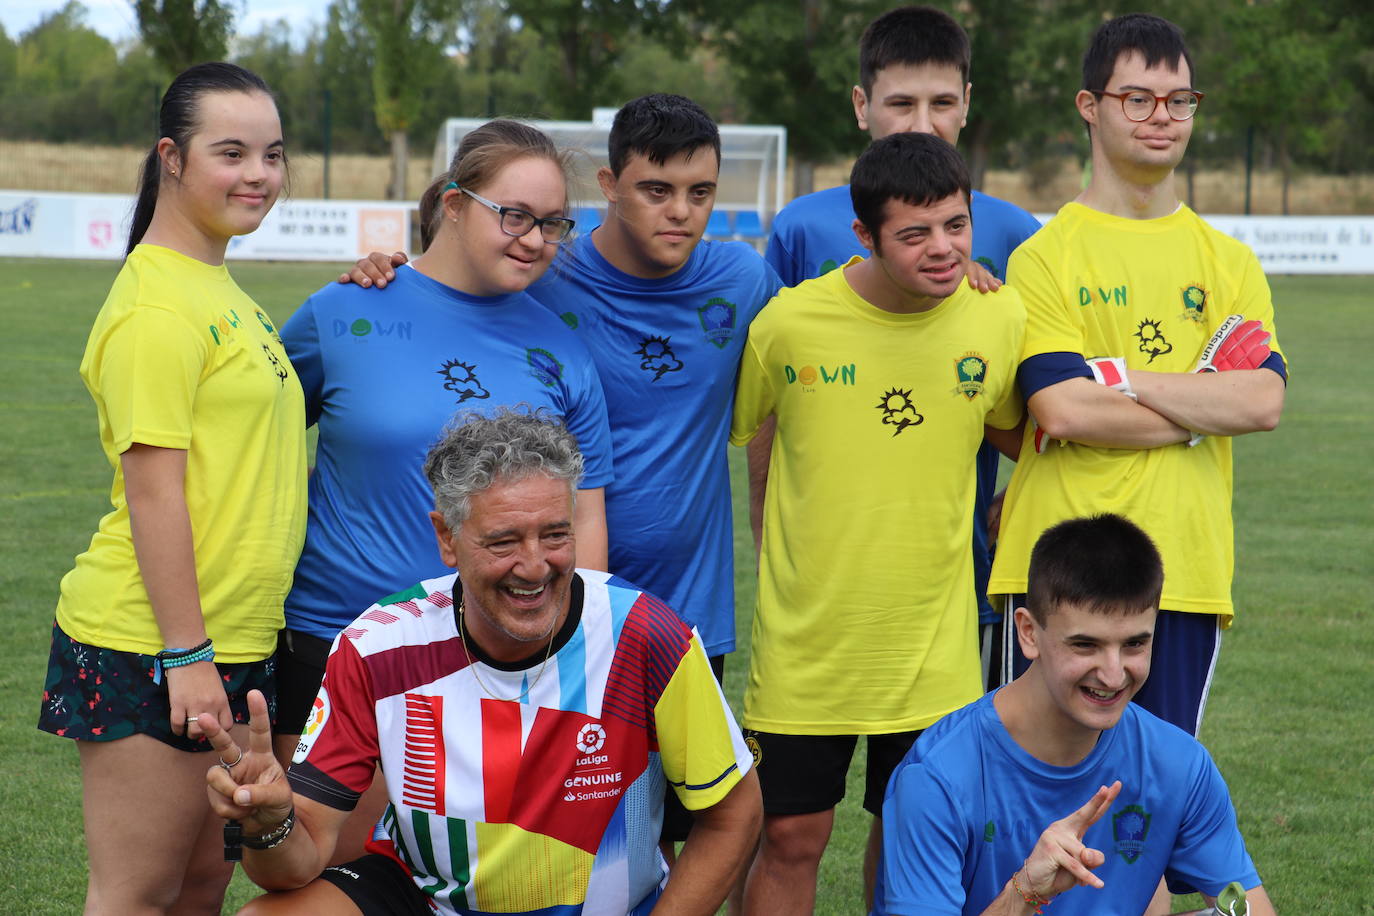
x=526 y=715
x=1057 y=787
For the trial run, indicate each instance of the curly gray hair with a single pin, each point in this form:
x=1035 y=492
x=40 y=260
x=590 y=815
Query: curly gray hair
x=476 y=450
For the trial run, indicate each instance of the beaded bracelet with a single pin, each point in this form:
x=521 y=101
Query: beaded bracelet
x=177 y=658
x=274 y=837
x=1030 y=897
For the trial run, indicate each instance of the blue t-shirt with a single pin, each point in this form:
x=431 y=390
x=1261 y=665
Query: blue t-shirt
x=814 y=234
x=668 y=351
x=383 y=372
x=967 y=804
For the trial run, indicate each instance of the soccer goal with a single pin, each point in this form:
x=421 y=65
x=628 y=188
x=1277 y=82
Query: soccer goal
x=752 y=163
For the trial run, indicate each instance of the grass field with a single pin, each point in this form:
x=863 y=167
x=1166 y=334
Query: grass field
x=1290 y=721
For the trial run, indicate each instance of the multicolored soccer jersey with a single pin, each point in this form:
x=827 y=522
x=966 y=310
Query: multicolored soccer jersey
x=549 y=803
x=1152 y=291
x=181 y=358
x=384 y=371
x=667 y=351
x=814 y=234
x=866 y=622
x=966 y=806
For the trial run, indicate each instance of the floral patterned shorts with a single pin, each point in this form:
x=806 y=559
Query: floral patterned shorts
x=96 y=694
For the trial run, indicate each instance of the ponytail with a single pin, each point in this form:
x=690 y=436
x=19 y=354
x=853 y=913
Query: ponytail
x=147 y=199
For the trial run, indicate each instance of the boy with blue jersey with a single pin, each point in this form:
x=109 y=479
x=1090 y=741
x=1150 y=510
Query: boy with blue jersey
x=977 y=816
x=913 y=76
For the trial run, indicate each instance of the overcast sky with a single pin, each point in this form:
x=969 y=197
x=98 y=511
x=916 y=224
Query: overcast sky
x=115 y=18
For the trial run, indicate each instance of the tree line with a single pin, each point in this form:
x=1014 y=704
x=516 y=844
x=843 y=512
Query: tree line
x=1288 y=82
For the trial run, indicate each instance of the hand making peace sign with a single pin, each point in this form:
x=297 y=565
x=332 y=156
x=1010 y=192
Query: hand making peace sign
x=1059 y=859
x=248 y=786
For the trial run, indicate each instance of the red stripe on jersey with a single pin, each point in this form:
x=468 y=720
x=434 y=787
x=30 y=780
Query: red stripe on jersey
x=422 y=782
x=500 y=756
x=652 y=644
x=396 y=671
x=380 y=616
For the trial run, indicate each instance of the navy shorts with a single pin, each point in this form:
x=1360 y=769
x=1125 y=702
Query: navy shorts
x=97 y=694
x=300 y=670
x=804 y=774
x=1183 y=659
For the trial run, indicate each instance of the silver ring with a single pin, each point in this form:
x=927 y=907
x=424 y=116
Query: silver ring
x=229 y=766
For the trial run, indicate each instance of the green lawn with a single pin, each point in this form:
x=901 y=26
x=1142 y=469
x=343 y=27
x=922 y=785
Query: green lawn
x=1289 y=722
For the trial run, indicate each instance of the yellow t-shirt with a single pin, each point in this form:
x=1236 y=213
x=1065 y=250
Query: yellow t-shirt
x=1152 y=291
x=866 y=621
x=181 y=358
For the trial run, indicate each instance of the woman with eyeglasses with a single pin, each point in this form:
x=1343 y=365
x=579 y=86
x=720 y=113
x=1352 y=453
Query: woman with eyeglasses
x=384 y=372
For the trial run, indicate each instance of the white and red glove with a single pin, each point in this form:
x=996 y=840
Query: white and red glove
x=1237 y=344
x=1111 y=371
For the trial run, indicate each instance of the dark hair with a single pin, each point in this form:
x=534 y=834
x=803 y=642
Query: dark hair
x=179 y=119
x=911 y=35
x=1105 y=564
x=660 y=126
x=917 y=169
x=1157 y=40
x=481 y=154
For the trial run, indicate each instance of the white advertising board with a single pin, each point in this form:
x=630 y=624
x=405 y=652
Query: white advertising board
x=1300 y=244
x=55 y=225
x=51 y=224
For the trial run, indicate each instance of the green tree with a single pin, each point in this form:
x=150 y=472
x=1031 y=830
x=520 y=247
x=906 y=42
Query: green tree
x=60 y=66
x=795 y=62
x=1280 y=78
x=409 y=39
x=185 y=32
x=587 y=39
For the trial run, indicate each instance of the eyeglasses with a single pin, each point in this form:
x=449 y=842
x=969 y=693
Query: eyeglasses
x=1181 y=104
x=516 y=222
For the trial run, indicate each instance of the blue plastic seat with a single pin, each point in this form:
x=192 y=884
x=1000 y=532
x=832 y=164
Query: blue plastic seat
x=718 y=227
x=748 y=225
x=588 y=218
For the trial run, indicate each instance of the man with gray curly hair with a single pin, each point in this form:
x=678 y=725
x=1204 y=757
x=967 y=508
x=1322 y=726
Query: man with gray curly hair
x=527 y=716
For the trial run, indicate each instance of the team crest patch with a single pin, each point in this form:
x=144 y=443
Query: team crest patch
x=717 y=318
x=898 y=410
x=1152 y=342
x=971 y=370
x=544 y=366
x=755 y=749
x=314 y=724
x=989 y=266
x=1194 y=301
x=1130 y=827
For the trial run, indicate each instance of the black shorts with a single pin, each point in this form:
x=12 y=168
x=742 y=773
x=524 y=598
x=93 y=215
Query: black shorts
x=300 y=669
x=96 y=694
x=677 y=820
x=803 y=774
x=378 y=886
